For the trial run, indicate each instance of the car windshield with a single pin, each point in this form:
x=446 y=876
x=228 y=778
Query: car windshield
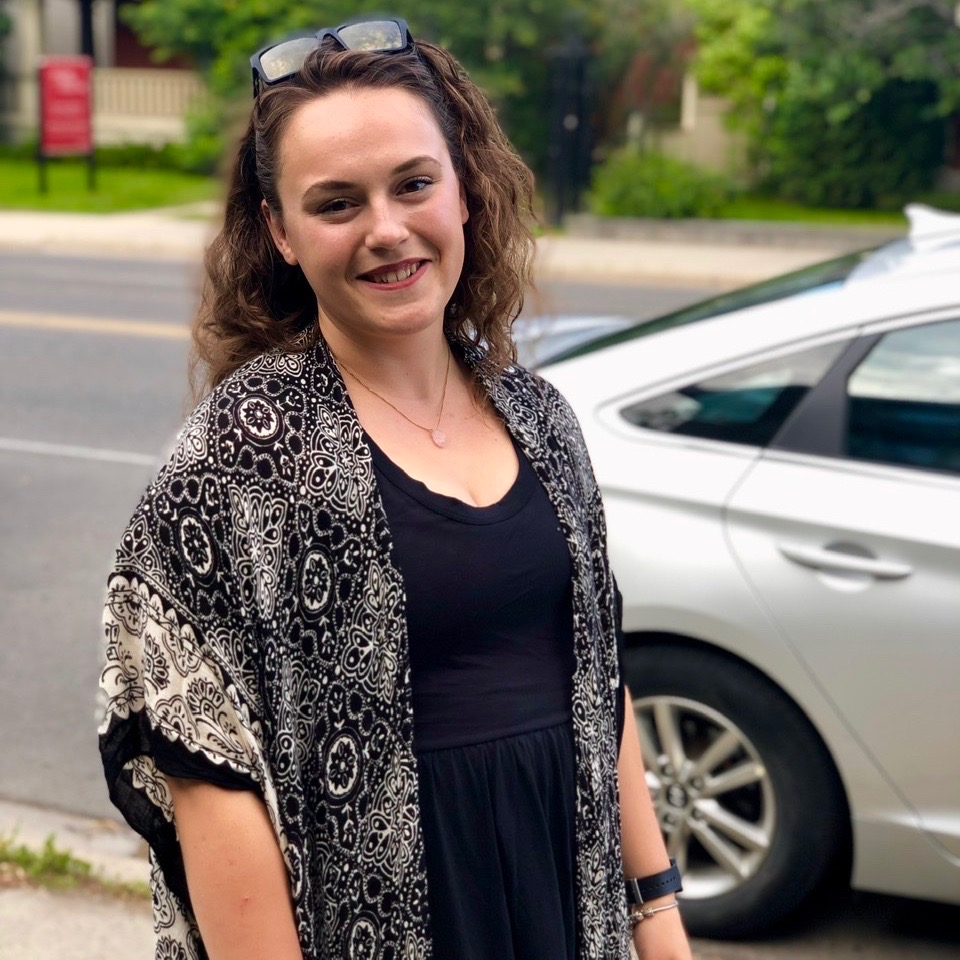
x=819 y=277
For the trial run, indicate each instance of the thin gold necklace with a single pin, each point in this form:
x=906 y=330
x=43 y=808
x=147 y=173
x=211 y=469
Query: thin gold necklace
x=436 y=434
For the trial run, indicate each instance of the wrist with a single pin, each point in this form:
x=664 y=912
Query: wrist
x=642 y=913
x=641 y=890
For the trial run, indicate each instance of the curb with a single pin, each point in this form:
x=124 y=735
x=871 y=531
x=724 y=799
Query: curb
x=143 y=235
x=762 y=233
x=697 y=264
x=112 y=849
x=694 y=256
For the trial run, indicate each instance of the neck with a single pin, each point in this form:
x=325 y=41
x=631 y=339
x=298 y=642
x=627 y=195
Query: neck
x=405 y=367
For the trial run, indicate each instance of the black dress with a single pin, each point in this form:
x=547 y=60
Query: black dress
x=491 y=654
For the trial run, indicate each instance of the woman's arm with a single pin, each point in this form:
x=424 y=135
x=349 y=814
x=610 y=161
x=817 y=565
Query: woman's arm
x=661 y=937
x=237 y=879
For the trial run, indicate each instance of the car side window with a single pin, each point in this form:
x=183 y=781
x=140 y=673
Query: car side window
x=903 y=400
x=746 y=406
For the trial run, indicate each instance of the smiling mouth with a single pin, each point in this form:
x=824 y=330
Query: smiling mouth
x=393 y=274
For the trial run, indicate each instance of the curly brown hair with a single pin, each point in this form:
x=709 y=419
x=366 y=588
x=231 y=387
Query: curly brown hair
x=254 y=301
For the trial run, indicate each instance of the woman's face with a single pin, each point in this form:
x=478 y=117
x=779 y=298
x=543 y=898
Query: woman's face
x=373 y=212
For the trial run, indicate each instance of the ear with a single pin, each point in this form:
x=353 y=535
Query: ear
x=279 y=234
x=464 y=212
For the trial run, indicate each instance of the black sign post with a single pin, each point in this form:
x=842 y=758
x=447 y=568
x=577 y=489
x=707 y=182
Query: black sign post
x=66 y=114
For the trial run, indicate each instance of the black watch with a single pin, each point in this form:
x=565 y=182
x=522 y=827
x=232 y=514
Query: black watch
x=642 y=889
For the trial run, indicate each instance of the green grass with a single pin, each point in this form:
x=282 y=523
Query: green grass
x=752 y=207
x=61 y=870
x=748 y=207
x=48 y=866
x=129 y=188
x=118 y=188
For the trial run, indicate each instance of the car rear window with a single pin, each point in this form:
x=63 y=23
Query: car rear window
x=820 y=276
x=748 y=405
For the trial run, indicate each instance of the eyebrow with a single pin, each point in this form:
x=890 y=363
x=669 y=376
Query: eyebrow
x=322 y=186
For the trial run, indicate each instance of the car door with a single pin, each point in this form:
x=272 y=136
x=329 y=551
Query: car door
x=848 y=529
x=667 y=467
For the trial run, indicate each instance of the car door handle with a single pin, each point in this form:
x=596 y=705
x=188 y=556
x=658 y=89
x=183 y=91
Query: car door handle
x=822 y=558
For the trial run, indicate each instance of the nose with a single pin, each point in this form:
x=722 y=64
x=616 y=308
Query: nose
x=387 y=227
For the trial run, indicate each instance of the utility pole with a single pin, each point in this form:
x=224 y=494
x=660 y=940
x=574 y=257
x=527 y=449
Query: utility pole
x=569 y=147
x=86 y=29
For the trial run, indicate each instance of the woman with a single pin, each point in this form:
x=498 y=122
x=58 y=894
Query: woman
x=362 y=682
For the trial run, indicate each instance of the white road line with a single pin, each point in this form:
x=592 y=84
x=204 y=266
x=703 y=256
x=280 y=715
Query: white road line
x=78 y=324
x=78 y=453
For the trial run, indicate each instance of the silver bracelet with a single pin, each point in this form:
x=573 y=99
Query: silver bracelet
x=639 y=914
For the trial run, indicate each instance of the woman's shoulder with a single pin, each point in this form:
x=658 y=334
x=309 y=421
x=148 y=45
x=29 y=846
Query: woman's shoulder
x=261 y=400
x=272 y=374
x=244 y=424
x=514 y=379
x=536 y=409
x=530 y=390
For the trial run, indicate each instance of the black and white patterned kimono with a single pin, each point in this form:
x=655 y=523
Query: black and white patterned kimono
x=254 y=617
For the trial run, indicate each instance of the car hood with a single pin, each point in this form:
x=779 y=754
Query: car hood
x=632 y=361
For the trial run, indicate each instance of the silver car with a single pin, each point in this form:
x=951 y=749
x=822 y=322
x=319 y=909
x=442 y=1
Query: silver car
x=781 y=473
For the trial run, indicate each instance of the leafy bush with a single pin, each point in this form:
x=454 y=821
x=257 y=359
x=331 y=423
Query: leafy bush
x=140 y=155
x=194 y=156
x=213 y=131
x=887 y=152
x=644 y=184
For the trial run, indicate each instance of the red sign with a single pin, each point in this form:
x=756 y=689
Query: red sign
x=66 y=106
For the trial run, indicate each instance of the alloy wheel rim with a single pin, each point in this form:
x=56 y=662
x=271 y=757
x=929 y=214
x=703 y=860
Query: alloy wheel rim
x=711 y=790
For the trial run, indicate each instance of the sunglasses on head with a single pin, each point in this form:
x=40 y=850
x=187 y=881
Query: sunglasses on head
x=279 y=61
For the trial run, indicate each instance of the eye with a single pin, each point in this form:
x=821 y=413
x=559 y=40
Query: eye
x=339 y=205
x=416 y=184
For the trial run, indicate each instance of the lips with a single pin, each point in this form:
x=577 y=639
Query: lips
x=393 y=272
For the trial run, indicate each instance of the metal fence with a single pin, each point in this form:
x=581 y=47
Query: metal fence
x=120 y=91
x=130 y=105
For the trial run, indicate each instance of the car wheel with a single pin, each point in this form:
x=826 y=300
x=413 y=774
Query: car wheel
x=748 y=800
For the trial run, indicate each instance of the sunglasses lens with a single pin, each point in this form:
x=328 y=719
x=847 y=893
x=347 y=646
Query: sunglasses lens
x=374 y=35
x=286 y=58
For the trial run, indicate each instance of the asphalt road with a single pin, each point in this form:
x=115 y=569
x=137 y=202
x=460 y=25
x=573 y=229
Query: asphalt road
x=86 y=409
x=84 y=416
x=858 y=926
x=167 y=291
x=160 y=290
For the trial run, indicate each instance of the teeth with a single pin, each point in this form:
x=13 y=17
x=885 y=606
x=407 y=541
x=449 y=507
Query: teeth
x=407 y=271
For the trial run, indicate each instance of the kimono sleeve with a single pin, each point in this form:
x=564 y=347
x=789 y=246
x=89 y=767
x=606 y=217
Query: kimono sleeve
x=176 y=677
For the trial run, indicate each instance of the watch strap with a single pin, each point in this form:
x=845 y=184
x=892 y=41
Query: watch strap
x=642 y=889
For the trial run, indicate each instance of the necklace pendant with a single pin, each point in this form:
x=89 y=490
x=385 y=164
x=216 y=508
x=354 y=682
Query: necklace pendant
x=438 y=437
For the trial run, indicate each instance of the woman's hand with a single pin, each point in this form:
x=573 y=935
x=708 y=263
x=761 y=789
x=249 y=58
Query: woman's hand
x=661 y=937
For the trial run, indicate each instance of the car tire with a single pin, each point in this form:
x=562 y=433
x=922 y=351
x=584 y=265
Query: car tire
x=762 y=822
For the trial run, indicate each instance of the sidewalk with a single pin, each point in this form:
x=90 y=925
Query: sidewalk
x=40 y=924
x=722 y=254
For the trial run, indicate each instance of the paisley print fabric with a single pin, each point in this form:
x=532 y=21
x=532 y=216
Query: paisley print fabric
x=254 y=616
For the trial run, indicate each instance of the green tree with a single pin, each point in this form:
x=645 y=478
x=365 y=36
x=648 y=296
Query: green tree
x=834 y=96
x=504 y=43
x=657 y=32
